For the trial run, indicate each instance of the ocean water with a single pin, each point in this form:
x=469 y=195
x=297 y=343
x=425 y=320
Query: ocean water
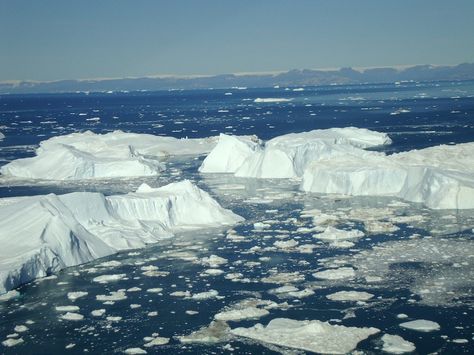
x=426 y=266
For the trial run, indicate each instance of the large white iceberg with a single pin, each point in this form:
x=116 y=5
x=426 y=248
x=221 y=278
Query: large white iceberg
x=2 y=135
x=230 y=153
x=117 y=154
x=440 y=177
x=287 y=156
x=43 y=234
x=314 y=336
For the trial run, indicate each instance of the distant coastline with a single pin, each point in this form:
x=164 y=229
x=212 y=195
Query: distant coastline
x=291 y=78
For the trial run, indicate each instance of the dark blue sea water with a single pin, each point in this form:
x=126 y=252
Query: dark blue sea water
x=415 y=115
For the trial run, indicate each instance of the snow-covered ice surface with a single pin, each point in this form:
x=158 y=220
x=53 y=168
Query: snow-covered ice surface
x=385 y=261
x=116 y=154
x=43 y=234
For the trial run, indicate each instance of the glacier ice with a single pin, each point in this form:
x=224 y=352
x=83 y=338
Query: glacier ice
x=116 y=154
x=440 y=177
x=287 y=156
x=336 y=161
x=43 y=234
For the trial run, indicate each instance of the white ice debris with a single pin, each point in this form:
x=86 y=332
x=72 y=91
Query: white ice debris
x=12 y=342
x=72 y=316
x=421 y=325
x=103 y=279
x=334 y=234
x=335 y=274
x=43 y=234
x=216 y=332
x=98 y=312
x=271 y=100
x=117 y=154
x=75 y=295
x=350 y=296
x=440 y=177
x=395 y=344
x=240 y=314
x=9 y=295
x=135 y=351
x=67 y=308
x=315 y=336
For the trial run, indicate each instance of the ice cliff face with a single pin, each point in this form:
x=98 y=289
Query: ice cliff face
x=117 y=154
x=43 y=234
x=287 y=156
x=335 y=161
x=440 y=177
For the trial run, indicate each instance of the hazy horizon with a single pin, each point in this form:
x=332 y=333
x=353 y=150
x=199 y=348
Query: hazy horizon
x=54 y=40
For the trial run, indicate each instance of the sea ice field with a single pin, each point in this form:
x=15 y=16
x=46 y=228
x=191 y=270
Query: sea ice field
x=335 y=219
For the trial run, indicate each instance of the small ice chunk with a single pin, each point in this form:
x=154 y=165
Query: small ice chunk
x=9 y=295
x=114 y=296
x=98 y=312
x=205 y=295
x=155 y=290
x=335 y=274
x=214 y=261
x=350 y=296
x=239 y=314
x=394 y=344
x=157 y=341
x=21 y=328
x=421 y=325
x=72 y=316
x=103 y=279
x=133 y=351
x=216 y=332
x=67 y=308
x=12 y=342
x=75 y=295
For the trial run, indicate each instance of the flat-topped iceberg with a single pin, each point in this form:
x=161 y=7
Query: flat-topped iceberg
x=440 y=177
x=314 y=336
x=43 y=234
x=287 y=156
x=117 y=154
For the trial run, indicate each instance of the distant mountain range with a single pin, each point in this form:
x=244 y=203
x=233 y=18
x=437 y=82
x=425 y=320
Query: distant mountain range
x=292 y=78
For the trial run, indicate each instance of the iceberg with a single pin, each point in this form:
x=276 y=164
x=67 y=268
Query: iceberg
x=230 y=153
x=2 y=136
x=43 y=234
x=287 y=156
x=88 y=155
x=440 y=177
x=314 y=336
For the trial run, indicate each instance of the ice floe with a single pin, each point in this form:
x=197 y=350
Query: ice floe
x=315 y=336
x=421 y=325
x=395 y=344
x=43 y=234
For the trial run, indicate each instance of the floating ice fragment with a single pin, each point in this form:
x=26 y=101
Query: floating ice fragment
x=315 y=336
x=394 y=344
x=421 y=325
x=350 y=296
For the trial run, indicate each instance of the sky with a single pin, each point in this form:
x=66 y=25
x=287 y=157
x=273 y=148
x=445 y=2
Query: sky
x=45 y=40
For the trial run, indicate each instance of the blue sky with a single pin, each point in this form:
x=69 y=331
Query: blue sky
x=69 y=39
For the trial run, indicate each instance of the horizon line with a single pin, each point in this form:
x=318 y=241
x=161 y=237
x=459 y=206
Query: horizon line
x=243 y=73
